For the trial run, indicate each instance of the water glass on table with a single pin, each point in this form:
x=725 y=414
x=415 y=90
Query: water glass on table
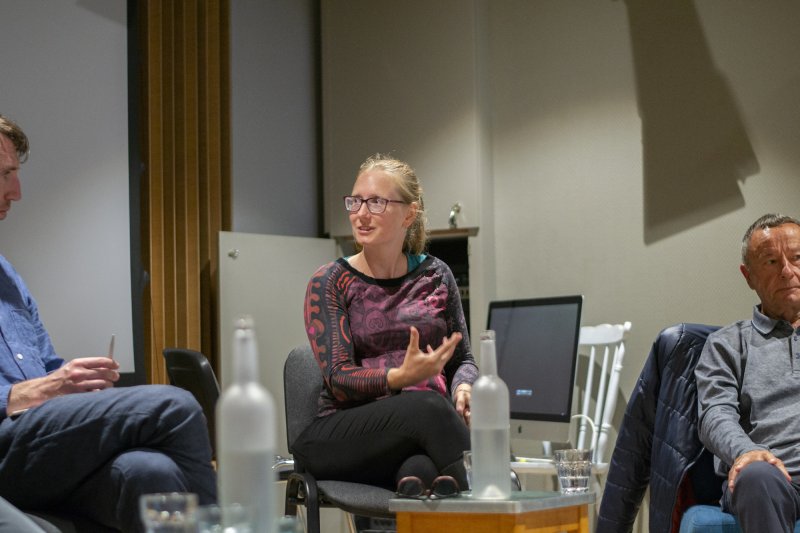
x=169 y=512
x=574 y=468
x=468 y=468
x=229 y=519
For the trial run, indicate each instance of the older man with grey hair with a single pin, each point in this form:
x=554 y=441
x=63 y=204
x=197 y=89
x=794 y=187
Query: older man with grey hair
x=748 y=385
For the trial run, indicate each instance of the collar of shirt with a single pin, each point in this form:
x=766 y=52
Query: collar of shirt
x=766 y=325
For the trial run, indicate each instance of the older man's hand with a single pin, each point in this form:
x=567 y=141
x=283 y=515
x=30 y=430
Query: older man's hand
x=751 y=457
x=85 y=374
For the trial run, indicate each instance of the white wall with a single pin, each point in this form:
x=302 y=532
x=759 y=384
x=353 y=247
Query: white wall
x=634 y=143
x=64 y=80
x=407 y=79
x=630 y=143
x=274 y=149
x=389 y=89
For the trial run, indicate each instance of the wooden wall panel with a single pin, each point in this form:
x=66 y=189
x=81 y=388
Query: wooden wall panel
x=186 y=185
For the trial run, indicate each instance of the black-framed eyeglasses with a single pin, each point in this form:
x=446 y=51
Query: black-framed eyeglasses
x=376 y=204
x=442 y=487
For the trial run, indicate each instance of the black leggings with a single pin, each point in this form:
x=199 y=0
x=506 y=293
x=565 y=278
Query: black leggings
x=379 y=441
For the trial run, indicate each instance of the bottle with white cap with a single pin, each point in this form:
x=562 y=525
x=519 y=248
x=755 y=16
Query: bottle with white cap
x=489 y=428
x=246 y=428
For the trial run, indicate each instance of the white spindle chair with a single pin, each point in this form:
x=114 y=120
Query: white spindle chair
x=603 y=348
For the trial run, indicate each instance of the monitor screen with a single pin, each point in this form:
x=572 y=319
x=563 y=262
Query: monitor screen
x=537 y=347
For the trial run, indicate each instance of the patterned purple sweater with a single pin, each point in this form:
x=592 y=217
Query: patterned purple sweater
x=359 y=329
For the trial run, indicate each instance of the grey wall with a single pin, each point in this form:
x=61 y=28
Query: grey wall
x=630 y=143
x=274 y=117
x=634 y=142
x=64 y=80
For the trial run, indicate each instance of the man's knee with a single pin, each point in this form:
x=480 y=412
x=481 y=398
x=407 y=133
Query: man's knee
x=178 y=398
x=139 y=472
x=760 y=485
x=175 y=406
x=762 y=499
x=148 y=471
x=761 y=477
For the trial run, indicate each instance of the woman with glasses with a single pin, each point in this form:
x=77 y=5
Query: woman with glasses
x=388 y=331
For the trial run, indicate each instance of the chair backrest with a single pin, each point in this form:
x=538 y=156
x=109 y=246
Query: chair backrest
x=302 y=384
x=190 y=370
x=603 y=345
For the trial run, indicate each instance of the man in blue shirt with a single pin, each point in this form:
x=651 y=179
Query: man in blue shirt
x=69 y=440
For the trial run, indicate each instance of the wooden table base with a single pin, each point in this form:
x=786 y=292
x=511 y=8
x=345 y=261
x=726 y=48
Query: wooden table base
x=573 y=519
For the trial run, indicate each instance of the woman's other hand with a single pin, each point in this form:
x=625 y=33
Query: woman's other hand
x=462 y=399
x=420 y=365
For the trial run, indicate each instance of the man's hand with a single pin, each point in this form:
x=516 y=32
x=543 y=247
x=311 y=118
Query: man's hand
x=462 y=399
x=751 y=457
x=418 y=365
x=79 y=375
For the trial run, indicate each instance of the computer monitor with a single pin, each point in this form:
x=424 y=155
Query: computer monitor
x=537 y=353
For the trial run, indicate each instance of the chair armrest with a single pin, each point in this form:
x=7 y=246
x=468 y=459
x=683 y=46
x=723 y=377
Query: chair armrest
x=301 y=489
x=282 y=467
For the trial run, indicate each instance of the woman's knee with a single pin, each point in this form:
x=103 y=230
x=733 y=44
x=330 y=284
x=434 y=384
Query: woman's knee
x=430 y=413
x=430 y=404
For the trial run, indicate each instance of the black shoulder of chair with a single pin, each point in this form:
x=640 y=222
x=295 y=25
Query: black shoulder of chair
x=190 y=370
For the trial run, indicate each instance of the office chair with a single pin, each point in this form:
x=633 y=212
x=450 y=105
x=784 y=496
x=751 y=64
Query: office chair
x=302 y=383
x=190 y=370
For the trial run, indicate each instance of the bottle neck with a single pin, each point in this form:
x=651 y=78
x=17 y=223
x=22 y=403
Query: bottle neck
x=488 y=358
x=245 y=356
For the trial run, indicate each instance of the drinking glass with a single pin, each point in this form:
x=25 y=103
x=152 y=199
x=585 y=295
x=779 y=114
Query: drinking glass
x=574 y=467
x=169 y=512
x=468 y=467
x=229 y=519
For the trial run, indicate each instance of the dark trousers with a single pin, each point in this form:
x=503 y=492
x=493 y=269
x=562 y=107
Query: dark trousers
x=763 y=501
x=371 y=443
x=95 y=453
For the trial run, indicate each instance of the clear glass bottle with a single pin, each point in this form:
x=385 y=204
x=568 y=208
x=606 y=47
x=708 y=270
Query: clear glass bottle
x=246 y=428
x=489 y=428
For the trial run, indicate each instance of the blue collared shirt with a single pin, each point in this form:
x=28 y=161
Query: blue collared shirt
x=25 y=351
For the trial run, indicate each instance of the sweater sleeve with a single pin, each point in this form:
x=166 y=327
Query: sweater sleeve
x=328 y=329
x=461 y=368
x=718 y=382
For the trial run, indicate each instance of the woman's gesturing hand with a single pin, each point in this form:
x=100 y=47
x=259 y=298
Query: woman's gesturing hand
x=419 y=365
